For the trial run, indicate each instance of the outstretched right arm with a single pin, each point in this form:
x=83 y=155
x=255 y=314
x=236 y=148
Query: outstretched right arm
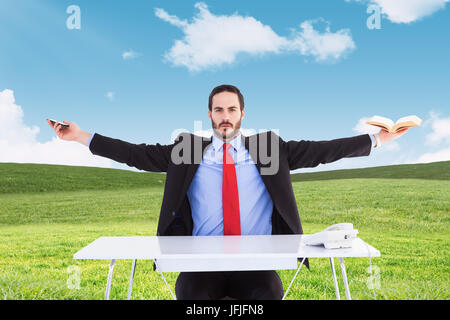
x=143 y=157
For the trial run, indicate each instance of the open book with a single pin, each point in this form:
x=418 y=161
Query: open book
x=390 y=126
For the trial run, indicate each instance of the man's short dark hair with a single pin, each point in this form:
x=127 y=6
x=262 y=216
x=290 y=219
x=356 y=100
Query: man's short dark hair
x=227 y=88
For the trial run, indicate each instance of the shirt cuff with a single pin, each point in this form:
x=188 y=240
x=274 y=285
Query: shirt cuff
x=90 y=139
x=372 y=138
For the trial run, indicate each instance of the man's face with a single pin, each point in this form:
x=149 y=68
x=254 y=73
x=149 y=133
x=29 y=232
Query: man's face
x=226 y=115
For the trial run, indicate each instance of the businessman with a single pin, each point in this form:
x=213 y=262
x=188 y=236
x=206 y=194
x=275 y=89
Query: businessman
x=229 y=184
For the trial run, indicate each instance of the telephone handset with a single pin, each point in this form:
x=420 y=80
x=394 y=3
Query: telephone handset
x=339 y=235
x=340 y=226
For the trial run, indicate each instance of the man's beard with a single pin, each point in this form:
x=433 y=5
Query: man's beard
x=227 y=136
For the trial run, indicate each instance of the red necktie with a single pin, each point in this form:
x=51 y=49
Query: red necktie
x=230 y=195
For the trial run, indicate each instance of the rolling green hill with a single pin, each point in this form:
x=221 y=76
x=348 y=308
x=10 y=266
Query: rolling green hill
x=429 y=171
x=31 y=178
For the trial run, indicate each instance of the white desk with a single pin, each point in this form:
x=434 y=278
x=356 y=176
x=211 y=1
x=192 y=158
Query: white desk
x=219 y=253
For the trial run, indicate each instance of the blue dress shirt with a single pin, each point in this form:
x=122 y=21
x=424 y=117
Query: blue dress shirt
x=205 y=192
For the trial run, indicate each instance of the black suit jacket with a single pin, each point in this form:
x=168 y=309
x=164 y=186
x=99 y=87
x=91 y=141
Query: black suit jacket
x=175 y=216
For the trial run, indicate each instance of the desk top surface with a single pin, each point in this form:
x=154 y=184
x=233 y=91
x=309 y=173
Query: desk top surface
x=211 y=247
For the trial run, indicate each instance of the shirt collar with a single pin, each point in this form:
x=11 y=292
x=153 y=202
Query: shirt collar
x=236 y=143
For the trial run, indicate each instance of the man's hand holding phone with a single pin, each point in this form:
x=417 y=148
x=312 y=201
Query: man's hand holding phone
x=69 y=131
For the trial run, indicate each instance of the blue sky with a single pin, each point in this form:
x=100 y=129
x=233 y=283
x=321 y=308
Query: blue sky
x=312 y=70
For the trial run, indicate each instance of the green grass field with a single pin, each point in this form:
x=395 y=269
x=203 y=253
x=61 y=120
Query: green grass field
x=49 y=212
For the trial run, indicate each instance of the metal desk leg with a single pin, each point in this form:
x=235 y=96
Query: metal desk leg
x=168 y=287
x=110 y=274
x=130 y=287
x=298 y=269
x=336 y=288
x=344 y=276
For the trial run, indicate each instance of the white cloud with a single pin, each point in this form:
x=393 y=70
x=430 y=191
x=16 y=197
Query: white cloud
x=214 y=40
x=110 y=95
x=362 y=127
x=439 y=137
x=11 y=121
x=407 y=11
x=441 y=155
x=162 y=14
x=440 y=130
x=130 y=54
x=326 y=46
x=18 y=141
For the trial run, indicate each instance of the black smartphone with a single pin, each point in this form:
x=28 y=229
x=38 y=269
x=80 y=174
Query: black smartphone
x=54 y=121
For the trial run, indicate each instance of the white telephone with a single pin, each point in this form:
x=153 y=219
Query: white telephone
x=340 y=235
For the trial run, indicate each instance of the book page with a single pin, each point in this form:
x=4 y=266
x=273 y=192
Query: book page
x=413 y=119
x=380 y=121
x=406 y=122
